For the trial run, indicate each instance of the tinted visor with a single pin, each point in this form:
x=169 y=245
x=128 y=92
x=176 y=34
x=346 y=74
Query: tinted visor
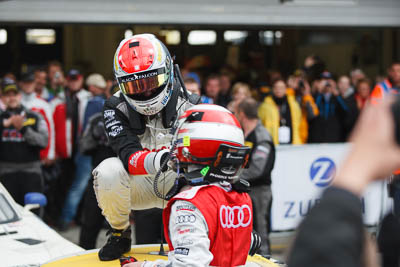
x=143 y=83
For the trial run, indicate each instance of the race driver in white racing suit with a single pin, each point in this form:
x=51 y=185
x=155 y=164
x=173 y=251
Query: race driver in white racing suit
x=209 y=222
x=138 y=120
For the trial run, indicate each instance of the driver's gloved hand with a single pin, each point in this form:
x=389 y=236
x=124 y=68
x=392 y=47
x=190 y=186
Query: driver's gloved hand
x=255 y=243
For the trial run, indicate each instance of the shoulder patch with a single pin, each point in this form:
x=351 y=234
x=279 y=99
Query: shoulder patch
x=190 y=193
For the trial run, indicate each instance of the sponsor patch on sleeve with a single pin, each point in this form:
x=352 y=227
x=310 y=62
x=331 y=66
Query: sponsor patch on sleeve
x=262 y=151
x=186 y=207
x=113 y=126
x=181 y=251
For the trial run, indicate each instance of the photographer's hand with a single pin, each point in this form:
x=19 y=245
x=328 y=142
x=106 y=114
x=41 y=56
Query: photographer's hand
x=333 y=87
x=374 y=153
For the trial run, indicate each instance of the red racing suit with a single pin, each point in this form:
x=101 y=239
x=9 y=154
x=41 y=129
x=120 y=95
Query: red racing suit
x=207 y=226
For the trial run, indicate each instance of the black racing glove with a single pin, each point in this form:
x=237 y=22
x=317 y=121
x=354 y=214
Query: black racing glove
x=255 y=243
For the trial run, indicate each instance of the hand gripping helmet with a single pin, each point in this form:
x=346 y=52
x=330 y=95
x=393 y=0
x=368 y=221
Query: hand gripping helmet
x=143 y=68
x=210 y=137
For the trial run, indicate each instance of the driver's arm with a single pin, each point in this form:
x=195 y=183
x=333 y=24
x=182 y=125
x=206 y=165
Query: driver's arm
x=126 y=143
x=188 y=231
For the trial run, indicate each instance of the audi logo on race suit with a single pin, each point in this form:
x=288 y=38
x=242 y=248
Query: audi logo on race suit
x=185 y=219
x=235 y=217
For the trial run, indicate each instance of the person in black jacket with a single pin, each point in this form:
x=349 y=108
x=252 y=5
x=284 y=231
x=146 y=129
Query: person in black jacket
x=328 y=126
x=332 y=234
x=23 y=134
x=348 y=95
x=261 y=163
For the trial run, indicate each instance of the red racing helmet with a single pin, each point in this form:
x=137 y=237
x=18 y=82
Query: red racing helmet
x=210 y=136
x=143 y=68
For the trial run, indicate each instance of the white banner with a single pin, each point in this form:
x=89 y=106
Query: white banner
x=300 y=175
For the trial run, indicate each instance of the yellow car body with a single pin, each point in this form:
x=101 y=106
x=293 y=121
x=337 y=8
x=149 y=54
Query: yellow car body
x=140 y=252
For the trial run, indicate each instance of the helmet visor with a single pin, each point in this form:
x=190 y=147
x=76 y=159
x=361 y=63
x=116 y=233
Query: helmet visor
x=143 y=82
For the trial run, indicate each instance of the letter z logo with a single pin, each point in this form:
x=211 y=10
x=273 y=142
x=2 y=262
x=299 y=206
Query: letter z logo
x=322 y=172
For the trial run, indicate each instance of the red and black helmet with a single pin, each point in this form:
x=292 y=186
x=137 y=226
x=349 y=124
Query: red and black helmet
x=210 y=136
x=143 y=68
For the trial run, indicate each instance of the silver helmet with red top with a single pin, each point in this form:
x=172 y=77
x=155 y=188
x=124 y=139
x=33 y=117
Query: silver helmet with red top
x=209 y=136
x=143 y=68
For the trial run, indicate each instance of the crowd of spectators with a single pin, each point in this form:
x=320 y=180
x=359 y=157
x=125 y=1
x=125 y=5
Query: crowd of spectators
x=312 y=105
x=47 y=104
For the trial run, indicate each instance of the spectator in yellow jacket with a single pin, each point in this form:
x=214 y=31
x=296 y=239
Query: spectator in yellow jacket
x=301 y=90
x=280 y=113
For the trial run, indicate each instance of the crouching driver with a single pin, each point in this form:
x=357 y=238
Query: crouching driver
x=138 y=120
x=209 y=222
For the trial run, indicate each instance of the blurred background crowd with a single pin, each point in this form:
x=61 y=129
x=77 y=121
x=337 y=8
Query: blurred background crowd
x=311 y=105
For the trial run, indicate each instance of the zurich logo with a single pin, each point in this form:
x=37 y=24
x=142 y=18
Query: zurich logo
x=322 y=171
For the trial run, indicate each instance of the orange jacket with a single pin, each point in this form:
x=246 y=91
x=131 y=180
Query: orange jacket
x=381 y=90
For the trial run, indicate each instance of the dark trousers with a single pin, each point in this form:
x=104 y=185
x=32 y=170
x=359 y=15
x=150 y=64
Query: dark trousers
x=20 y=183
x=92 y=219
x=261 y=197
x=148 y=226
x=57 y=188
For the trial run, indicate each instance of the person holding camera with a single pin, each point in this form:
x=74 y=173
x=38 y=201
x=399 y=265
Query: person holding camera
x=300 y=88
x=328 y=126
x=56 y=81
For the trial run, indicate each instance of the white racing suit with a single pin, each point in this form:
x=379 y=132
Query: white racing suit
x=131 y=135
x=189 y=233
